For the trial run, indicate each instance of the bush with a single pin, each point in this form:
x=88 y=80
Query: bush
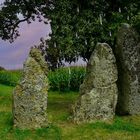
x=62 y=79
x=65 y=79
x=9 y=78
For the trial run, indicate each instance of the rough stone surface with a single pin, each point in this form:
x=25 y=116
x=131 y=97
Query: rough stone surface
x=98 y=93
x=127 y=53
x=30 y=95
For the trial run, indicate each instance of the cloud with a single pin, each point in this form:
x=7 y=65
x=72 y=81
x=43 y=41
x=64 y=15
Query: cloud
x=13 y=55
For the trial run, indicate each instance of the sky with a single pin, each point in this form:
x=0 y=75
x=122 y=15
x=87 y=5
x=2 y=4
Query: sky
x=13 y=55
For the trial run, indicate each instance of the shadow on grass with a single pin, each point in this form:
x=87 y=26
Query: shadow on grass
x=50 y=133
x=7 y=132
x=118 y=125
x=6 y=124
x=54 y=132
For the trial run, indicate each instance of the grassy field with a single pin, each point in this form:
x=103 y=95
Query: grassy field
x=61 y=128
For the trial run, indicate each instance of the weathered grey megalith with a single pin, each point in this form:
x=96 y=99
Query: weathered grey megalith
x=30 y=95
x=98 y=93
x=127 y=53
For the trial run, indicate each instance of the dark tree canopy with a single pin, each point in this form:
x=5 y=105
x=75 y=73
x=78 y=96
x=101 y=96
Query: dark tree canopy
x=77 y=25
x=13 y=12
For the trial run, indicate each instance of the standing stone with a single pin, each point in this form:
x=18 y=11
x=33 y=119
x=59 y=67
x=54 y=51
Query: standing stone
x=127 y=52
x=98 y=93
x=30 y=95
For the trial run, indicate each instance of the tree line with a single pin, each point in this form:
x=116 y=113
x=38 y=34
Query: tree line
x=77 y=25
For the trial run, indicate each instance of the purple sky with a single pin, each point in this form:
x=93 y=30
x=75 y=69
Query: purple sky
x=13 y=55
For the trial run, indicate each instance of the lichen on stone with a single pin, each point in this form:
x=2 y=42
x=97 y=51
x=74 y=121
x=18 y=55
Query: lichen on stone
x=127 y=53
x=30 y=95
x=98 y=93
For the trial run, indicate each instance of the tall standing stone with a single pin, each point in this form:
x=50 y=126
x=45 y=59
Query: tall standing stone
x=127 y=52
x=30 y=95
x=98 y=93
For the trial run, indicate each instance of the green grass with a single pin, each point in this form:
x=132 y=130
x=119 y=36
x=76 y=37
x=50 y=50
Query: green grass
x=61 y=128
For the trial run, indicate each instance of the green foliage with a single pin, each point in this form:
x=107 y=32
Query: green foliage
x=10 y=78
x=65 y=79
x=136 y=22
x=62 y=79
x=76 y=77
x=10 y=19
x=77 y=26
x=1 y=68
